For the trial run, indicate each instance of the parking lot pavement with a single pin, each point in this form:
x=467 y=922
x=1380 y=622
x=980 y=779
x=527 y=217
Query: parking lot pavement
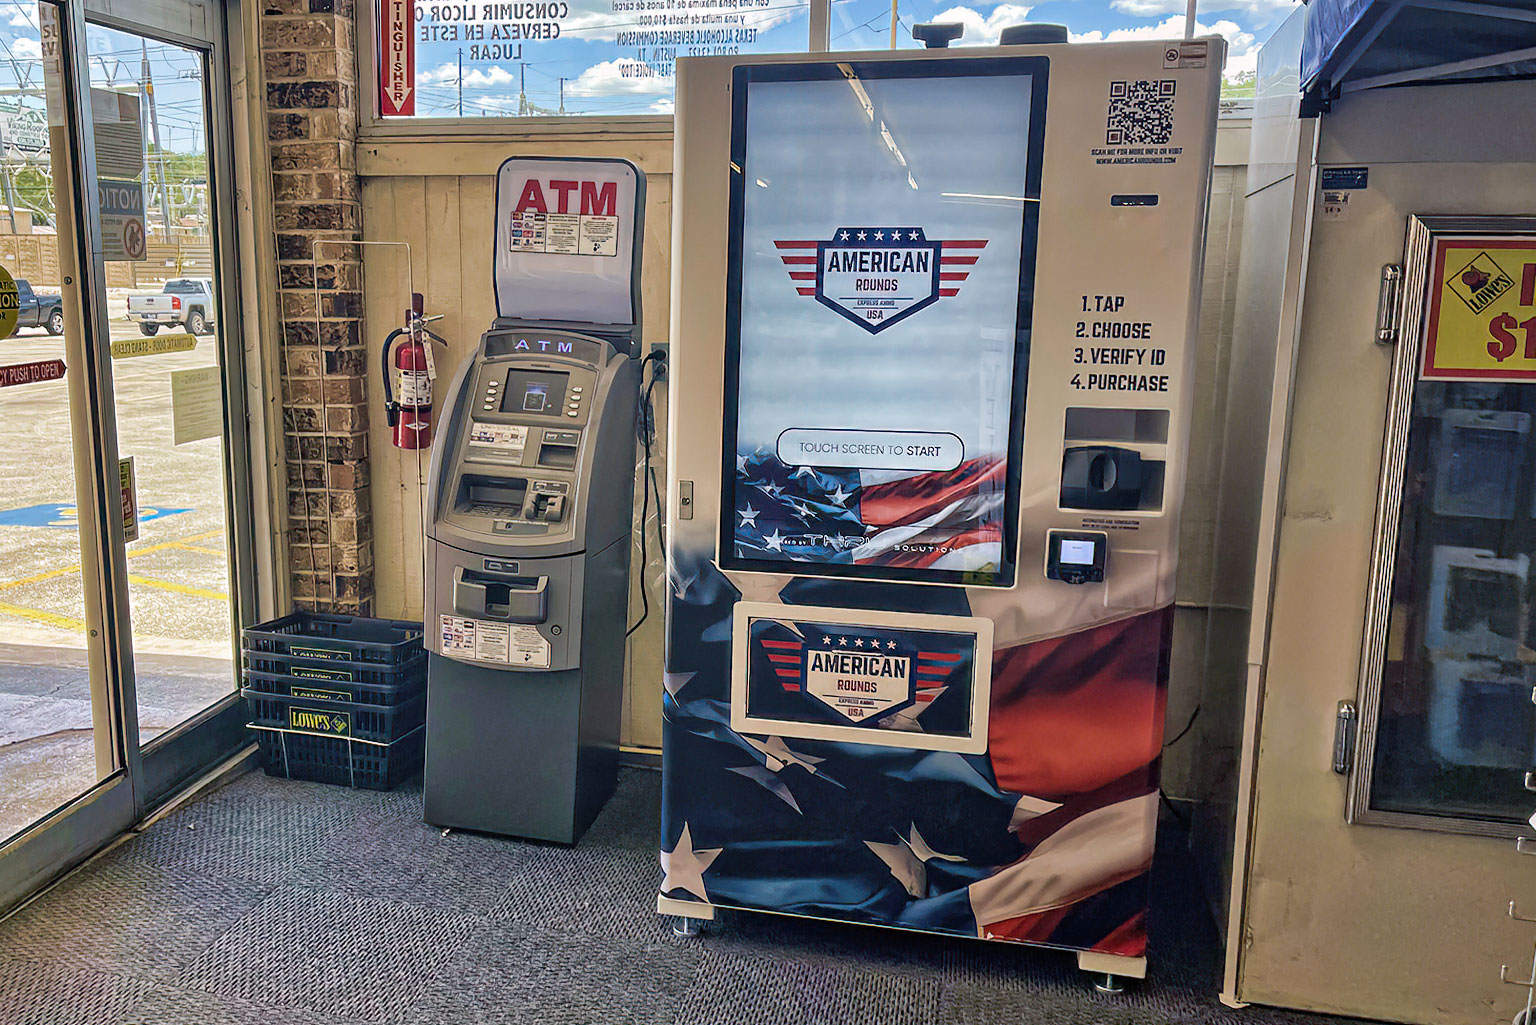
x=177 y=570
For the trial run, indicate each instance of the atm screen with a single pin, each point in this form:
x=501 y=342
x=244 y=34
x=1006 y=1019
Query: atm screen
x=878 y=316
x=534 y=391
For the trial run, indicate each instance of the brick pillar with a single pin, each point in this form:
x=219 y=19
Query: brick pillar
x=308 y=57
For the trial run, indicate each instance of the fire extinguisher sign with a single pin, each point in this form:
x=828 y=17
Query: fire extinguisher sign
x=397 y=58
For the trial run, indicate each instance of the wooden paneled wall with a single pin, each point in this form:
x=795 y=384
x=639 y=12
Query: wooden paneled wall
x=438 y=199
x=447 y=220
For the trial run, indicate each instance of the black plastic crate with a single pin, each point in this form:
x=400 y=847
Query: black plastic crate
x=328 y=717
x=373 y=747
x=369 y=683
x=353 y=763
x=323 y=637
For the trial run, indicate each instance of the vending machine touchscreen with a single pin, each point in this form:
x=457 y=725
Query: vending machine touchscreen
x=932 y=421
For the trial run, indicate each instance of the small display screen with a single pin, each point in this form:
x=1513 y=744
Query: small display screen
x=1077 y=553
x=534 y=391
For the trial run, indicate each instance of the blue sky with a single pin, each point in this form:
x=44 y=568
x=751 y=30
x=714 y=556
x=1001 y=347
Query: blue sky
x=604 y=61
x=116 y=60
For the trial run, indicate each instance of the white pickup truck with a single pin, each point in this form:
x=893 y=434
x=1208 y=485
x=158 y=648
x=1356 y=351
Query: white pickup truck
x=186 y=301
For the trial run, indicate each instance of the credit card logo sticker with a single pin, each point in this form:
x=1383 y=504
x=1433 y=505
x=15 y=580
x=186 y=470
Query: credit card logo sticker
x=878 y=276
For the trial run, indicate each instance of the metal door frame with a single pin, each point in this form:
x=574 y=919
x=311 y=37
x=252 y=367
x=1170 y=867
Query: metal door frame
x=1413 y=307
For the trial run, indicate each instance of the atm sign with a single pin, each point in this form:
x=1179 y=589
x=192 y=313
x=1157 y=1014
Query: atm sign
x=594 y=198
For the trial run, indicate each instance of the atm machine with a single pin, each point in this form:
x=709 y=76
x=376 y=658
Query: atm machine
x=530 y=504
x=928 y=444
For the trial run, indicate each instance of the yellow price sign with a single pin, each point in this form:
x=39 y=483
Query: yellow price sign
x=1482 y=310
x=10 y=305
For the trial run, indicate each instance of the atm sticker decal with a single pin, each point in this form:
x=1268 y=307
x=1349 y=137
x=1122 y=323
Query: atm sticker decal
x=478 y=640
x=877 y=276
x=593 y=231
x=1482 y=310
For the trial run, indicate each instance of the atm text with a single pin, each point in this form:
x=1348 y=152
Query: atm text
x=600 y=198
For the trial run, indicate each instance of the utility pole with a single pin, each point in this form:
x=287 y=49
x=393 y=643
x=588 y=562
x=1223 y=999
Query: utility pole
x=522 y=95
x=10 y=193
x=154 y=128
x=461 y=81
x=895 y=21
x=562 y=96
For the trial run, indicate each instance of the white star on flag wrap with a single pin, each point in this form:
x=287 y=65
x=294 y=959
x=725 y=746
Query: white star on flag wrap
x=908 y=860
x=683 y=867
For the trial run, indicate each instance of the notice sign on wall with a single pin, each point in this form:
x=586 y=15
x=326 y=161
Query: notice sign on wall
x=197 y=404
x=130 y=490
x=122 y=220
x=1482 y=310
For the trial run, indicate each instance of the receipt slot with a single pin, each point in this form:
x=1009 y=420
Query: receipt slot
x=530 y=505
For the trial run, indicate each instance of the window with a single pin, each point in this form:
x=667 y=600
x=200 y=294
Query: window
x=553 y=58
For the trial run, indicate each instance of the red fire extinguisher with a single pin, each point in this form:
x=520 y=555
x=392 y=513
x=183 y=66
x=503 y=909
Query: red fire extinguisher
x=409 y=410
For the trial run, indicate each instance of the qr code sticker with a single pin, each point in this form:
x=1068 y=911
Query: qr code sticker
x=1140 y=113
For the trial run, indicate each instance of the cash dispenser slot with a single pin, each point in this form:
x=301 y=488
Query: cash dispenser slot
x=558 y=455
x=495 y=596
x=498 y=497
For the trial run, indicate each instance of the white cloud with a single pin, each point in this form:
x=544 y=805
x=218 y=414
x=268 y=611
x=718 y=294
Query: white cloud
x=26 y=48
x=1242 y=64
x=21 y=16
x=1241 y=48
x=1261 y=10
x=622 y=76
x=664 y=106
x=983 y=30
x=474 y=78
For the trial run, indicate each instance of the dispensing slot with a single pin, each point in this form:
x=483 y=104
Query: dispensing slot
x=488 y=596
x=497 y=497
x=562 y=457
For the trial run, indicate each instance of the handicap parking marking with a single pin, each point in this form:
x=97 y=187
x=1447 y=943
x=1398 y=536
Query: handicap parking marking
x=43 y=616
x=67 y=622
x=60 y=514
x=166 y=585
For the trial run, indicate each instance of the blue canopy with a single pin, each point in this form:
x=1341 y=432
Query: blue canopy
x=1367 y=44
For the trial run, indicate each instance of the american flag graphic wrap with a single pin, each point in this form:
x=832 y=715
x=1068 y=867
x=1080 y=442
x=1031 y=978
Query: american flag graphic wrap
x=1047 y=838
x=949 y=519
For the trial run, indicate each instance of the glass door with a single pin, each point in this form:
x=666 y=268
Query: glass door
x=1448 y=737
x=125 y=532
x=54 y=744
x=154 y=139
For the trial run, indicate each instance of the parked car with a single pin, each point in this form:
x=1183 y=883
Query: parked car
x=38 y=309
x=186 y=301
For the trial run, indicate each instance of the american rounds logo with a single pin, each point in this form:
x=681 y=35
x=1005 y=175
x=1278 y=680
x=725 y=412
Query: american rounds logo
x=878 y=276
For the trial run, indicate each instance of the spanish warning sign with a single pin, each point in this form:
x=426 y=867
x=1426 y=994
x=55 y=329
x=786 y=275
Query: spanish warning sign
x=1482 y=310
